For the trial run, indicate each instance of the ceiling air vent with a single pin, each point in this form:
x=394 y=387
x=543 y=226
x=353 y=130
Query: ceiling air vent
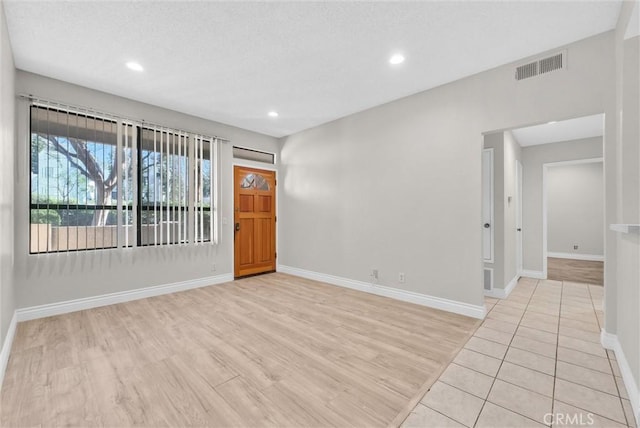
x=527 y=70
x=542 y=66
x=551 y=63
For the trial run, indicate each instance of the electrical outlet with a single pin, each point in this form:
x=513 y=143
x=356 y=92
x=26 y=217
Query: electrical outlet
x=374 y=274
x=575 y=247
x=213 y=268
x=401 y=277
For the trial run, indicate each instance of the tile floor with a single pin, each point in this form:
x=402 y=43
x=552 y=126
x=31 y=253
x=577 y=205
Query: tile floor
x=537 y=353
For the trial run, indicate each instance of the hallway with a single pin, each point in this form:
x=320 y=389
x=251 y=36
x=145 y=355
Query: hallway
x=536 y=360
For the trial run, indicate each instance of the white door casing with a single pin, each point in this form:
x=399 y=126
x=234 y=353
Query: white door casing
x=487 y=205
x=518 y=217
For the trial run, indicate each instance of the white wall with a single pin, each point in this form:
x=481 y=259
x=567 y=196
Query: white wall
x=533 y=157
x=7 y=109
x=398 y=187
x=49 y=278
x=622 y=193
x=575 y=209
x=624 y=320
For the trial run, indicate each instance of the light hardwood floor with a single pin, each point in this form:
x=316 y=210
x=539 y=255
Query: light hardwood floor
x=588 y=272
x=274 y=350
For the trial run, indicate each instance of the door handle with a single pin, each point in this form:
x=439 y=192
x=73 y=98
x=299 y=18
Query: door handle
x=237 y=227
x=519 y=229
x=487 y=225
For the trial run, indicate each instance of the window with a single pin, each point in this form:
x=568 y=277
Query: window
x=253 y=155
x=164 y=192
x=106 y=183
x=73 y=175
x=205 y=187
x=254 y=181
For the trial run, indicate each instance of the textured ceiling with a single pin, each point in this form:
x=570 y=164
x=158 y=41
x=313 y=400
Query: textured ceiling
x=313 y=62
x=565 y=130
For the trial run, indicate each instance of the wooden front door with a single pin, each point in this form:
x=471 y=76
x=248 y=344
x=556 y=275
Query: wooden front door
x=254 y=221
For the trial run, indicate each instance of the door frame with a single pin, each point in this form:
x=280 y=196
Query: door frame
x=491 y=208
x=254 y=165
x=519 y=233
x=545 y=207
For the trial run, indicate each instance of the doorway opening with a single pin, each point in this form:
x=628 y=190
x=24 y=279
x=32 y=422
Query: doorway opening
x=517 y=241
x=573 y=203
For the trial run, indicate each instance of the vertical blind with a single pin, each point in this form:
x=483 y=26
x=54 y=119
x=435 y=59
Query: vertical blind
x=106 y=182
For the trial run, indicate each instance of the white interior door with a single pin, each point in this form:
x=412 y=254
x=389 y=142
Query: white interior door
x=487 y=205
x=518 y=217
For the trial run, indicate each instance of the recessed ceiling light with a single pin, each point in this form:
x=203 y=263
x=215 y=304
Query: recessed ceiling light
x=552 y=122
x=273 y=114
x=132 y=65
x=396 y=59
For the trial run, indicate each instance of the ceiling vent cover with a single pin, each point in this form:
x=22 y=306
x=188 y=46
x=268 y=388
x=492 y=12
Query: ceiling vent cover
x=527 y=70
x=551 y=63
x=542 y=66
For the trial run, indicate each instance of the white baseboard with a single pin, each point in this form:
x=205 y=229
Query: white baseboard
x=496 y=293
x=59 y=308
x=610 y=341
x=394 y=293
x=6 y=346
x=536 y=274
x=503 y=293
x=575 y=256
